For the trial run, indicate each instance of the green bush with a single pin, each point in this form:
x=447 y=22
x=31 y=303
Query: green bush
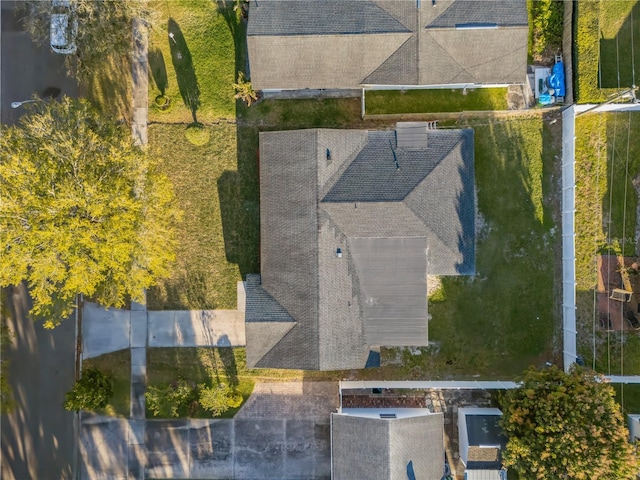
x=174 y=400
x=91 y=392
x=547 y=20
x=197 y=134
x=217 y=399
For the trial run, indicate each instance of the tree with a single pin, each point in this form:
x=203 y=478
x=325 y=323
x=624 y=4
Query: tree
x=91 y=392
x=104 y=28
x=566 y=426
x=83 y=210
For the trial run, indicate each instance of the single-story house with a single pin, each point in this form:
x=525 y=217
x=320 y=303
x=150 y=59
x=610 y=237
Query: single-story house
x=338 y=44
x=387 y=443
x=481 y=442
x=351 y=222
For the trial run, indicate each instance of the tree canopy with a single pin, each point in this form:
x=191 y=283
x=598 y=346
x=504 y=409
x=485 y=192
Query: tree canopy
x=104 y=28
x=82 y=210
x=566 y=426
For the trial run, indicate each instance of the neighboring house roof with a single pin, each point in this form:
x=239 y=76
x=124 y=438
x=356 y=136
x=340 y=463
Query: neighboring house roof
x=337 y=44
x=324 y=190
x=481 y=441
x=387 y=448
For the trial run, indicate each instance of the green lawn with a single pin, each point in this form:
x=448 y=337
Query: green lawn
x=502 y=320
x=428 y=101
x=605 y=211
x=117 y=364
x=218 y=239
x=599 y=57
x=198 y=63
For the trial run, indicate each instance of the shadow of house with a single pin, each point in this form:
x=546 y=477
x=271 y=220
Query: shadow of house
x=158 y=69
x=620 y=54
x=185 y=71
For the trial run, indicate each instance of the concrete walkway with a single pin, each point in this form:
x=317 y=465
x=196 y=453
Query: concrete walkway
x=105 y=331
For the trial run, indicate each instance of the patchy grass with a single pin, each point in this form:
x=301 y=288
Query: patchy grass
x=427 y=101
x=209 y=366
x=628 y=396
x=605 y=217
x=305 y=113
x=204 y=32
x=109 y=88
x=218 y=243
x=603 y=34
x=502 y=320
x=117 y=364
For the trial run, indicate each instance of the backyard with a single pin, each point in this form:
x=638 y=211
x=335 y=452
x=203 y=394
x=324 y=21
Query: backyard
x=607 y=164
x=607 y=48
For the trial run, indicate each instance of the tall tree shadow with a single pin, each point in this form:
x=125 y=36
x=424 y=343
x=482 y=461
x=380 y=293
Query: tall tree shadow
x=158 y=69
x=185 y=71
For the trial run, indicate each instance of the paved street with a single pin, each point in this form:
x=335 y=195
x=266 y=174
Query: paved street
x=38 y=437
x=25 y=68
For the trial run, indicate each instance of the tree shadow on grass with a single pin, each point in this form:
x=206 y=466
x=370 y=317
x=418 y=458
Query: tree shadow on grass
x=230 y=367
x=158 y=69
x=185 y=71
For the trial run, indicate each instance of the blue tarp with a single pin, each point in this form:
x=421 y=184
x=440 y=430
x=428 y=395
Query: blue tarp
x=556 y=80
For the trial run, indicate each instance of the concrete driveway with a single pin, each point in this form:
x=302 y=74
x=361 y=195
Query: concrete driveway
x=282 y=432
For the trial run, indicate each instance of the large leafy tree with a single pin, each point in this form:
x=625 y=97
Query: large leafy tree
x=82 y=210
x=566 y=426
x=104 y=29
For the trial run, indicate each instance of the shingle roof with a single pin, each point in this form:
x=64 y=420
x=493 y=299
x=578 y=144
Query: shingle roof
x=337 y=44
x=364 y=447
x=324 y=190
x=320 y=17
x=505 y=13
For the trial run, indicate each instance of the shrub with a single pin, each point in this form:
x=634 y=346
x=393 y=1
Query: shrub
x=172 y=400
x=91 y=392
x=547 y=20
x=217 y=399
x=244 y=90
x=197 y=134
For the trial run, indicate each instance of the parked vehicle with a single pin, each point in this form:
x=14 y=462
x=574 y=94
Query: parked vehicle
x=64 y=27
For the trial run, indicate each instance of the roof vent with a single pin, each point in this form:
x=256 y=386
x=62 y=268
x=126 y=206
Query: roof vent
x=328 y=155
x=339 y=252
x=387 y=415
x=412 y=134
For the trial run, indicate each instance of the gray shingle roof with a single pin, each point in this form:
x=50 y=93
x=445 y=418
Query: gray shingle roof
x=338 y=44
x=503 y=13
x=381 y=218
x=364 y=447
x=320 y=17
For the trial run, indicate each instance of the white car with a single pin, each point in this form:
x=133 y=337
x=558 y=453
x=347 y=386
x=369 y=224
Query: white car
x=64 y=27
